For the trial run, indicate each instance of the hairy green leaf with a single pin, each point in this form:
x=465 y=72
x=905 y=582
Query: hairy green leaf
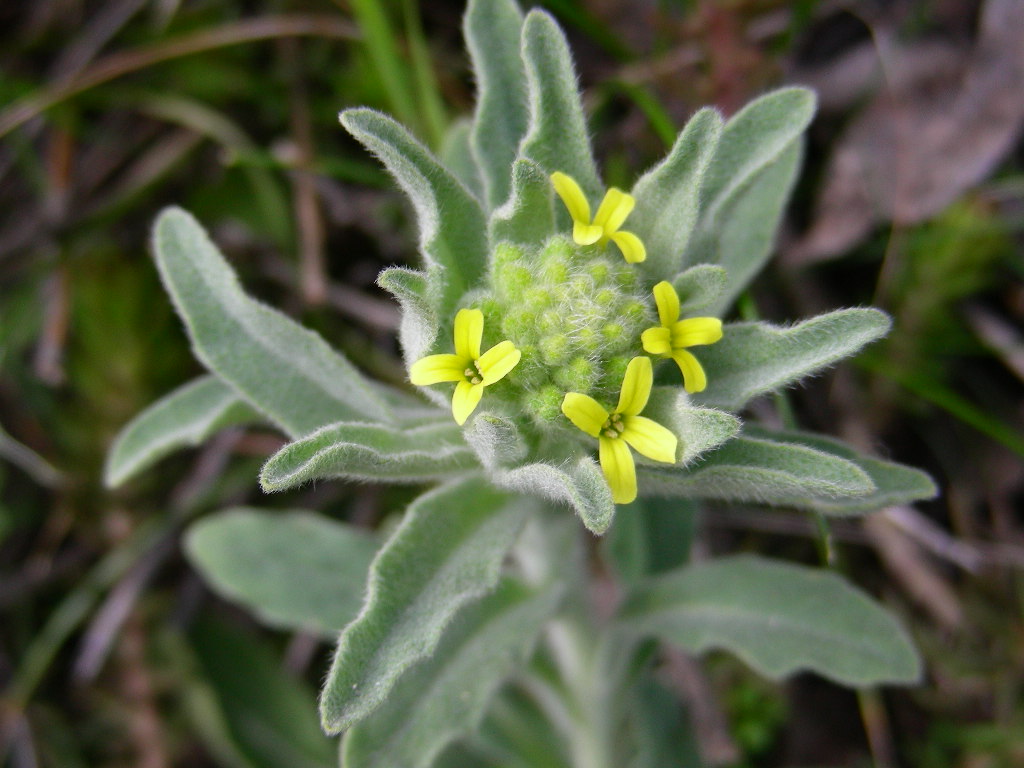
x=754 y=138
x=697 y=429
x=184 y=418
x=527 y=217
x=446 y=553
x=894 y=483
x=415 y=292
x=777 y=617
x=492 y=29
x=496 y=440
x=580 y=485
x=370 y=452
x=699 y=287
x=269 y=713
x=293 y=569
x=445 y=697
x=763 y=471
x=667 y=195
x=283 y=370
x=754 y=358
x=557 y=138
x=457 y=156
x=742 y=238
x=453 y=230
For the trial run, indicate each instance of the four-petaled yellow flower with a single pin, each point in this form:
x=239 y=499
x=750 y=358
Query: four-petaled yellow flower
x=467 y=366
x=624 y=425
x=612 y=212
x=671 y=338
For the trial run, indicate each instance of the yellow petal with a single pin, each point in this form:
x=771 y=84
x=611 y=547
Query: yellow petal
x=614 y=209
x=618 y=468
x=631 y=246
x=497 y=361
x=573 y=197
x=694 y=379
x=435 y=368
x=667 y=299
x=650 y=438
x=585 y=412
x=586 y=234
x=465 y=400
x=657 y=341
x=469 y=330
x=636 y=386
x=696 y=330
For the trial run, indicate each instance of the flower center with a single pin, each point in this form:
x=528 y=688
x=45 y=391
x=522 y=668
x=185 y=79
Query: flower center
x=613 y=426
x=473 y=377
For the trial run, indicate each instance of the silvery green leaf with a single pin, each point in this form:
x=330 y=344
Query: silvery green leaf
x=754 y=358
x=496 y=440
x=697 y=429
x=409 y=409
x=761 y=471
x=754 y=138
x=527 y=216
x=417 y=297
x=457 y=156
x=294 y=569
x=894 y=483
x=651 y=536
x=285 y=371
x=445 y=696
x=370 y=452
x=268 y=712
x=698 y=287
x=492 y=30
x=662 y=732
x=742 y=237
x=557 y=138
x=446 y=553
x=184 y=418
x=27 y=460
x=777 y=617
x=453 y=230
x=667 y=195
x=580 y=485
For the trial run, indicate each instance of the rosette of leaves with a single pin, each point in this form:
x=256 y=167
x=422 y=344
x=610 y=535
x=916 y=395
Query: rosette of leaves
x=467 y=633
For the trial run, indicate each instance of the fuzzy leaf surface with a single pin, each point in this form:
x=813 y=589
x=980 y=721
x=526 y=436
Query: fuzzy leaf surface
x=698 y=287
x=667 y=200
x=492 y=29
x=754 y=138
x=446 y=553
x=754 y=358
x=445 y=697
x=370 y=452
x=283 y=370
x=294 y=569
x=527 y=216
x=457 y=156
x=894 y=483
x=184 y=418
x=761 y=471
x=697 y=429
x=778 y=617
x=580 y=485
x=557 y=138
x=742 y=238
x=453 y=230
x=419 y=325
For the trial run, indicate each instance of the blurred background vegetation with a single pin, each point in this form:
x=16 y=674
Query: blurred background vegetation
x=113 y=653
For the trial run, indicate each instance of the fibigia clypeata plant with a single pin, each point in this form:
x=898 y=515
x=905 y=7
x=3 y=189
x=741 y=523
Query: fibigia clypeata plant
x=566 y=357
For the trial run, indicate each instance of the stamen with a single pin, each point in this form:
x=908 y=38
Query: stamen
x=475 y=380
x=610 y=433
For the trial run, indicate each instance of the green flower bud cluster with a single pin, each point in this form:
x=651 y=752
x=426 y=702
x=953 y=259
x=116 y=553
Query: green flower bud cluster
x=576 y=313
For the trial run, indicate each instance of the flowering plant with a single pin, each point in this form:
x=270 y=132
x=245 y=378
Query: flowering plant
x=556 y=328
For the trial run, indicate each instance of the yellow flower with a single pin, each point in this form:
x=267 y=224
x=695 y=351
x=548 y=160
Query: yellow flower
x=467 y=366
x=612 y=212
x=624 y=425
x=671 y=338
